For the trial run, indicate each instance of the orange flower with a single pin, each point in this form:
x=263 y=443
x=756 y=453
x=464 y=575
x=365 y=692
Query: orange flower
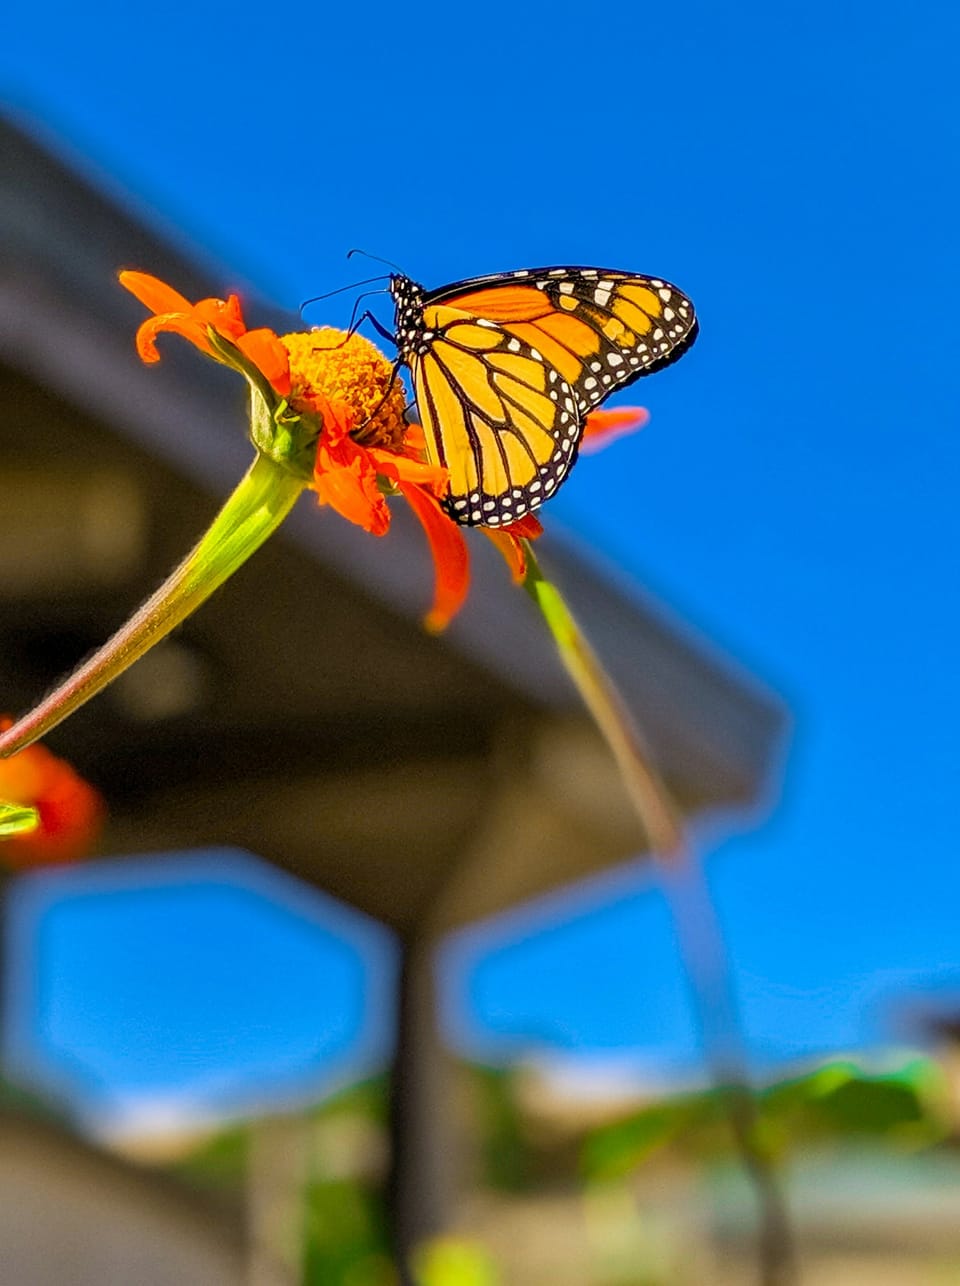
x=172 y=312
x=330 y=383
x=71 y=811
x=337 y=413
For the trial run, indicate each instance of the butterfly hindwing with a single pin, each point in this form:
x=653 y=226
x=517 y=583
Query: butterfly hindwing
x=506 y=369
x=500 y=420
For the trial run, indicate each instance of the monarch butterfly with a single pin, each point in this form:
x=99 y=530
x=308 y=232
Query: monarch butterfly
x=506 y=368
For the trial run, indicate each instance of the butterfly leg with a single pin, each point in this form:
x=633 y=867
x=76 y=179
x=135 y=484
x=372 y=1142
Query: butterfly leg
x=378 y=326
x=356 y=322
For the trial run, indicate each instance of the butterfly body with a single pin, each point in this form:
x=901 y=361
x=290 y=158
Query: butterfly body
x=507 y=367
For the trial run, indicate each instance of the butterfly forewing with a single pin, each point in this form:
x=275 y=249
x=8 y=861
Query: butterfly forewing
x=506 y=369
x=601 y=328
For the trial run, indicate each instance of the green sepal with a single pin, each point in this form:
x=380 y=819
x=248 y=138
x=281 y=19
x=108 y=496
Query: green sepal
x=283 y=435
x=230 y=355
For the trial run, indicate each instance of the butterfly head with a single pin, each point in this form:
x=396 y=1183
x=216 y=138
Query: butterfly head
x=408 y=299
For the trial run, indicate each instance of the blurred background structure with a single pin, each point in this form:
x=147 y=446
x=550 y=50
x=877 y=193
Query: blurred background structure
x=304 y=715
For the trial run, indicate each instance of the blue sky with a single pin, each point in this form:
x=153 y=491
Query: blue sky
x=794 y=497
x=161 y=990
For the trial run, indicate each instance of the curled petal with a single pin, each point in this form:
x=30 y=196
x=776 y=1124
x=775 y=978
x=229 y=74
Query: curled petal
x=172 y=312
x=450 y=558
x=179 y=324
x=604 y=426
x=509 y=540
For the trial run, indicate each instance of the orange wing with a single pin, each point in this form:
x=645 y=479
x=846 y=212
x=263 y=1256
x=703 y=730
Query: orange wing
x=600 y=329
x=503 y=424
x=506 y=369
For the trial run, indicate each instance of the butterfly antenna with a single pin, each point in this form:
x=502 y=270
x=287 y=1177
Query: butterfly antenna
x=315 y=299
x=366 y=254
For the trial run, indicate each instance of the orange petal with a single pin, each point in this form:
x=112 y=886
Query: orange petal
x=511 y=550
x=269 y=356
x=509 y=540
x=414 y=441
x=346 y=479
x=400 y=468
x=529 y=527
x=175 y=313
x=180 y=324
x=450 y=558
x=225 y=316
x=338 y=419
x=154 y=293
x=604 y=426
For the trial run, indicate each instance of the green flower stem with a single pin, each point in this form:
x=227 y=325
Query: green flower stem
x=257 y=507
x=698 y=932
x=17 y=819
x=650 y=796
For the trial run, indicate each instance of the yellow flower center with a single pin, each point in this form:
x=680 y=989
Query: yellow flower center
x=352 y=371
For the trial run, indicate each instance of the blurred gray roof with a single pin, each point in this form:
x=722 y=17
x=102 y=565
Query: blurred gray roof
x=320 y=632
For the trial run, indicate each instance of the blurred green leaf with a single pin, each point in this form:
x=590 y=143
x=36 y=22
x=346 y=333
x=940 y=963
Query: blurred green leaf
x=841 y=1099
x=17 y=819
x=217 y=1163
x=615 y=1150
x=838 y=1100
x=345 y=1236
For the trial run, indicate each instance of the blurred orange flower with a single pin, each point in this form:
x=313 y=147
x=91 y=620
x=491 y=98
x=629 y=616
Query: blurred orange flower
x=71 y=812
x=605 y=426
